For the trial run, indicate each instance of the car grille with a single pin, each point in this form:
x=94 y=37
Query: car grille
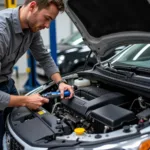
x=12 y=143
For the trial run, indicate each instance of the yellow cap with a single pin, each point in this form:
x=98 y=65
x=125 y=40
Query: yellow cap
x=79 y=131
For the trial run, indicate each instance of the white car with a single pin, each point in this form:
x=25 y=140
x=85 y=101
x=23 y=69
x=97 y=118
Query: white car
x=111 y=106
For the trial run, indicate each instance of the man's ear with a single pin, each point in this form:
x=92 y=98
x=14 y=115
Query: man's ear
x=32 y=6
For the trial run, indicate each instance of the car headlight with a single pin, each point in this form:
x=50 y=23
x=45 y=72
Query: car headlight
x=139 y=143
x=60 y=59
x=145 y=145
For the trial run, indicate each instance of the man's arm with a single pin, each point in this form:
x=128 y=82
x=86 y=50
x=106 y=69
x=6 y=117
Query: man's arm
x=7 y=100
x=56 y=77
x=33 y=101
x=42 y=55
x=48 y=64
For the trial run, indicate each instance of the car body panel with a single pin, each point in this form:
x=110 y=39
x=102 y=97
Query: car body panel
x=130 y=26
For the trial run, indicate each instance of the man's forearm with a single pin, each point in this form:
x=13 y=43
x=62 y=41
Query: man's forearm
x=16 y=101
x=56 y=77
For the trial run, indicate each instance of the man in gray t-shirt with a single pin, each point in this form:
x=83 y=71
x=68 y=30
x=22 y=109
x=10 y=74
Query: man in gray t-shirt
x=19 y=31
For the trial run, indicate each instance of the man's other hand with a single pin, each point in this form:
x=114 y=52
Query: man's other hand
x=63 y=87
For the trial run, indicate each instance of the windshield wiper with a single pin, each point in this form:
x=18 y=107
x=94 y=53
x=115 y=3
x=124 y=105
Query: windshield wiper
x=128 y=74
x=131 y=68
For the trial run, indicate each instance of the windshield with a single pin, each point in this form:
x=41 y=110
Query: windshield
x=74 y=39
x=136 y=55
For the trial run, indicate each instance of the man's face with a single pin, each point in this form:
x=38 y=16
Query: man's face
x=38 y=20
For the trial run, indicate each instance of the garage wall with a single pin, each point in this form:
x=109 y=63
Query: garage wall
x=63 y=25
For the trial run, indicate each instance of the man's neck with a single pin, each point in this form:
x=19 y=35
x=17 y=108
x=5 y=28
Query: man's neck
x=22 y=17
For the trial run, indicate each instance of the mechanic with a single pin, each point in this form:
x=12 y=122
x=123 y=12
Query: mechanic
x=19 y=31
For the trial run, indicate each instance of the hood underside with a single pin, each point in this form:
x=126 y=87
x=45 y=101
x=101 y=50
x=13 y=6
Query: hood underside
x=105 y=24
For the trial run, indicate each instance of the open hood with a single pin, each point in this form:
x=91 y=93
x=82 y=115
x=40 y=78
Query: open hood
x=105 y=24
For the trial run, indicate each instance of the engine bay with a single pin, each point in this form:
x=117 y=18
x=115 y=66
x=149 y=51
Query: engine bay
x=98 y=109
x=96 y=112
x=91 y=110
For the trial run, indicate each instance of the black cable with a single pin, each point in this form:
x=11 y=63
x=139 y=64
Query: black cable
x=87 y=59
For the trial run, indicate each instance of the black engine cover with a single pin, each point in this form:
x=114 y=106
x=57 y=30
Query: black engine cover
x=112 y=116
x=84 y=105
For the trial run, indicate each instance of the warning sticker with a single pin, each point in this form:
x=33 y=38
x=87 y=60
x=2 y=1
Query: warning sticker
x=41 y=112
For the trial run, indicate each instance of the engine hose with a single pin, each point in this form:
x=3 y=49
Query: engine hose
x=141 y=105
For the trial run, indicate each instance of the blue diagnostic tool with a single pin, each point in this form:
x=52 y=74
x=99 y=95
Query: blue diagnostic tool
x=55 y=94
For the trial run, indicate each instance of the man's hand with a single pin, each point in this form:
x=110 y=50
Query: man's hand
x=63 y=87
x=35 y=101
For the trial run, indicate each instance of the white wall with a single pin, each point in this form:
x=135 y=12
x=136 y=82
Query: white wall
x=63 y=25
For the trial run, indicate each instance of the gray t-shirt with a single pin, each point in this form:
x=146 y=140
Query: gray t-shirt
x=14 y=42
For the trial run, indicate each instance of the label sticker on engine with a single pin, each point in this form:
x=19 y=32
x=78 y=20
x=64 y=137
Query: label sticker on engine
x=41 y=112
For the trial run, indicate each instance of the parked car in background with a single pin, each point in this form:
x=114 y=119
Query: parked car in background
x=71 y=55
x=111 y=106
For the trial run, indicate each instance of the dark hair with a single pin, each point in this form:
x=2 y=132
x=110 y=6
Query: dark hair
x=45 y=3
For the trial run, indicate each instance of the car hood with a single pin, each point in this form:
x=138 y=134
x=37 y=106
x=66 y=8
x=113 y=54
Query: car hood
x=105 y=24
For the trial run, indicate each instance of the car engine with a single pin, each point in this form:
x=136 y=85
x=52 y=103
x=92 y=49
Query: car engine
x=96 y=110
